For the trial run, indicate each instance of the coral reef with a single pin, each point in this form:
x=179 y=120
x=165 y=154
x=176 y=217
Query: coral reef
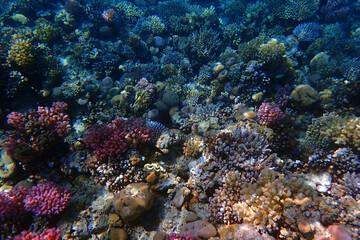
x=117 y=137
x=49 y=234
x=37 y=132
x=46 y=199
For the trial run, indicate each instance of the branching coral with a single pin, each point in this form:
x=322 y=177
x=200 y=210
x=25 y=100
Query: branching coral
x=22 y=50
x=37 y=132
x=204 y=43
x=333 y=130
x=117 y=137
x=278 y=205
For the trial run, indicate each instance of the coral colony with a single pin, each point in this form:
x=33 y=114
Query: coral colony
x=179 y=120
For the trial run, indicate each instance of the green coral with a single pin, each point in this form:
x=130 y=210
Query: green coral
x=153 y=25
x=45 y=31
x=204 y=42
x=295 y=10
x=129 y=11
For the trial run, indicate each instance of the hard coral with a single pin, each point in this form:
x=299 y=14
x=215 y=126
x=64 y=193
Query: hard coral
x=12 y=212
x=269 y=114
x=133 y=200
x=117 y=137
x=47 y=234
x=47 y=199
x=37 y=131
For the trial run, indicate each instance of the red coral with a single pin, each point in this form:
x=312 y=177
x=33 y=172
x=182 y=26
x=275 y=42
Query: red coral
x=37 y=131
x=269 y=114
x=12 y=207
x=117 y=137
x=175 y=236
x=47 y=234
x=47 y=199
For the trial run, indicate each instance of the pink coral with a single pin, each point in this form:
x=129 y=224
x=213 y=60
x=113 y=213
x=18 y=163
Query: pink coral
x=47 y=199
x=175 y=236
x=269 y=114
x=47 y=234
x=109 y=15
x=12 y=207
x=37 y=131
x=117 y=137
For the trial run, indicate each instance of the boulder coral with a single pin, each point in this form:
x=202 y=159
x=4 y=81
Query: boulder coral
x=133 y=200
x=304 y=95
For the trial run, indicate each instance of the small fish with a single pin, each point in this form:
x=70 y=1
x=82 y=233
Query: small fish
x=289 y=28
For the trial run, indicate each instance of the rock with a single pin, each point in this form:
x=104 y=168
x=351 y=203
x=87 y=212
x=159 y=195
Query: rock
x=118 y=234
x=338 y=232
x=7 y=165
x=199 y=229
x=133 y=200
x=191 y=218
x=106 y=31
x=160 y=236
x=171 y=99
x=180 y=196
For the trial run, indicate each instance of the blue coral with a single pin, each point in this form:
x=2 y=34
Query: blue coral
x=307 y=32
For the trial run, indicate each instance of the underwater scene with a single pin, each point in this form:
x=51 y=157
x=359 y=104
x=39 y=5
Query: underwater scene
x=180 y=119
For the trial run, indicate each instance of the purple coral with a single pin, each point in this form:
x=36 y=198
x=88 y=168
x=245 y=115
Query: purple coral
x=269 y=114
x=37 y=131
x=175 y=236
x=335 y=9
x=47 y=199
x=12 y=210
x=117 y=137
x=307 y=32
x=47 y=234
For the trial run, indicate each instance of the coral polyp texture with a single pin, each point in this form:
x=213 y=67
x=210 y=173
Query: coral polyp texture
x=46 y=199
x=117 y=137
x=37 y=131
x=47 y=234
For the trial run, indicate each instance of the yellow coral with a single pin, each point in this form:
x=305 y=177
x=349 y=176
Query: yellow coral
x=193 y=147
x=21 y=50
x=304 y=95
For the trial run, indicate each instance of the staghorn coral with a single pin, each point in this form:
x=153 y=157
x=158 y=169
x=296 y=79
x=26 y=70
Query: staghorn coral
x=337 y=163
x=117 y=137
x=12 y=212
x=152 y=25
x=130 y=12
x=46 y=32
x=243 y=147
x=269 y=114
x=116 y=172
x=221 y=203
x=204 y=43
x=46 y=199
x=307 y=32
x=203 y=118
